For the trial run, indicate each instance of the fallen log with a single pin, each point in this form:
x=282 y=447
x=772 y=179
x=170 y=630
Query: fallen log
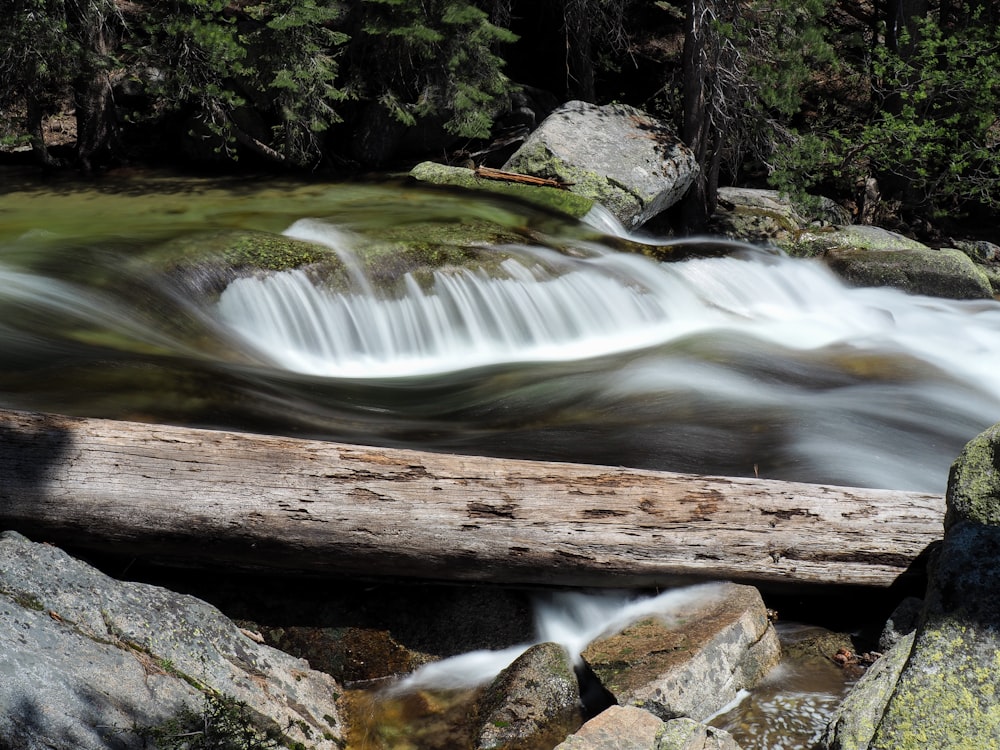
x=196 y=496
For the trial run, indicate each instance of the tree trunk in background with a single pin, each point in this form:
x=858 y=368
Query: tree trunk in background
x=698 y=130
x=96 y=119
x=35 y=126
x=900 y=15
x=579 y=63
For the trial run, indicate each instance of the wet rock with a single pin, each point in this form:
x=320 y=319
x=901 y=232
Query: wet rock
x=694 y=664
x=986 y=256
x=86 y=659
x=936 y=273
x=853 y=723
x=617 y=155
x=370 y=631
x=854 y=237
x=534 y=702
x=631 y=728
x=870 y=256
x=349 y=654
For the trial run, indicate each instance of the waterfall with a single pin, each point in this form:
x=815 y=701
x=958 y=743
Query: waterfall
x=558 y=348
x=570 y=618
x=725 y=365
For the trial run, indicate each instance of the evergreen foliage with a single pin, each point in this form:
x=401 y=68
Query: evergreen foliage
x=932 y=137
x=431 y=57
x=263 y=76
x=276 y=77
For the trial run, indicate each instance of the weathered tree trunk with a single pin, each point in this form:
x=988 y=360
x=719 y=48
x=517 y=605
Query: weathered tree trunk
x=698 y=127
x=36 y=131
x=198 y=496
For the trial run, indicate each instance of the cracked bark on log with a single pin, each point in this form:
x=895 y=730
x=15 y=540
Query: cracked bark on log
x=190 y=496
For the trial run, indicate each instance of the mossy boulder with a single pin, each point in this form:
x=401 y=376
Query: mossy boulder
x=535 y=702
x=768 y=216
x=974 y=482
x=619 y=156
x=822 y=240
x=947 y=694
x=552 y=198
x=694 y=664
x=986 y=256
x=869 y=256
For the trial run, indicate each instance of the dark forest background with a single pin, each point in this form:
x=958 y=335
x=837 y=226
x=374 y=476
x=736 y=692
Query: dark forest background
x=820 y=96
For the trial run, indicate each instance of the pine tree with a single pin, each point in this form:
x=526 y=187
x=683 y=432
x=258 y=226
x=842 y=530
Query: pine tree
x=431 y=58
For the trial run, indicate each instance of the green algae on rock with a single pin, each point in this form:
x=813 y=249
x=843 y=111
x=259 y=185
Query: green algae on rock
x=555 y=199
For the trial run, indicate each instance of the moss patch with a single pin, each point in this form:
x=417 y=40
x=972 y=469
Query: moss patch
x=974 y=482
x=554 y=199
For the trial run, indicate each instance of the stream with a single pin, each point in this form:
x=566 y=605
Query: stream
x=554 y=345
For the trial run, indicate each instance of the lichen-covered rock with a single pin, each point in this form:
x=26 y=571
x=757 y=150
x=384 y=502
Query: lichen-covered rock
x=974 y=482
x=86 y=659
x=946 y=696
x=694 y=665
x=871 y=256
x=555 y=199
x=853 y=237
x=853 y=723
x=533 y=702
x=687 y=734
x=617 y=155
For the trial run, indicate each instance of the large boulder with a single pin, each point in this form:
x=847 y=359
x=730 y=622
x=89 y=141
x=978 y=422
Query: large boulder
x=694 y=664
x=940 y=689
x=618 y=155
x=986 y=256
x=89 y=662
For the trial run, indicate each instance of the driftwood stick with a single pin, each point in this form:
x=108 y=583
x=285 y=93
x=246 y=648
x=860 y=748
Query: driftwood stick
x=199 y=496
x=498 y=174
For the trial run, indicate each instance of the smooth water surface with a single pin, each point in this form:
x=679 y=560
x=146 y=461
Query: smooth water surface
x=552 y=344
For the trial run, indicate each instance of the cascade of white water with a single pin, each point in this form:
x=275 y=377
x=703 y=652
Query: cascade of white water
x=570 y=618
x=856 y=386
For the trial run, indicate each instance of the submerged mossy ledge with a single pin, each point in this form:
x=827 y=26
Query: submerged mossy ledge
x=552 y=198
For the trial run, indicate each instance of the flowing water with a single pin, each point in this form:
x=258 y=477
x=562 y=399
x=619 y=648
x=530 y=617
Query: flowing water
x=551 y=342
x=556 y=346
